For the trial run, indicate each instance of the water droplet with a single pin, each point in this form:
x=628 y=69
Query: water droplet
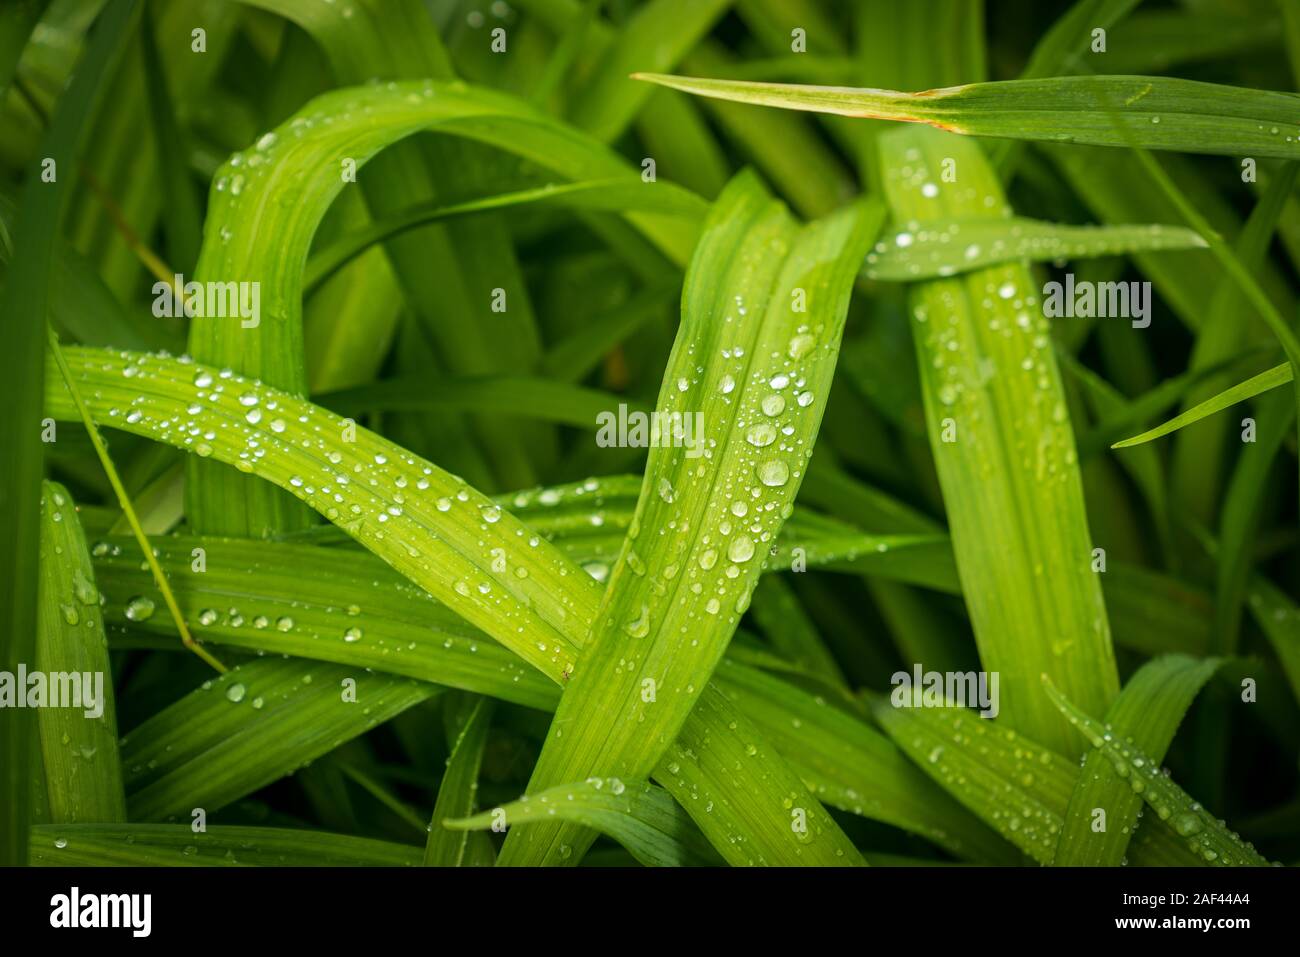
x=84 y=588
x=741 y=549
x=139 y=608
x=773 y=405
x=354 y=633
x=800 y=346
x=761 y=435
x=235 y=692
x=639 y=627
x=773 y=473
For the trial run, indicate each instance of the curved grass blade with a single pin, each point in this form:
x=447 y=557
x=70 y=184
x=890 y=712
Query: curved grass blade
x=326 y=604
x=24 y=303
x=639 y=815
x=1204 y=834
x=763 y=310
x=958 y=246
x=1015 y=785
x=1059 y=51
x=1148 y=712
x=266 y=204
x=348 y=608
x=851 y=766
x=1005 y=452
x=1166 y=113
x=83 y=775
x=221 y=845
x=1111 y=426
x=447 y=848
x=1255 y=385
x=410 y=515
x=249 y=727
x=616 y=195
x=1019 y=791
x=124 y=500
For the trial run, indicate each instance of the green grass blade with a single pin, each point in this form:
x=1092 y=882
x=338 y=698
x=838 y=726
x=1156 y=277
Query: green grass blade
x=777 y=611
x=83 y=774
x=1196 y=478
x=345 y=607
x=527 y=397
x=453 y=541
x=639 y=815
x=447 y=848
x=183 y=224
x=854 y=768
x=1148 y=712
x=1203 y=833
x=749 y=360
x=249 y=727
x=327 y=604
x=989 y=374
x=24 y=302
x=617 y=195
x=1241 y=516
x=1166 y=113
x=658 y=33
x=949 y=248
x=1015 y=785
x=1020 y=791
x=1279 y=619
x=267 y=202
x=1255 y=385
x=177 y=845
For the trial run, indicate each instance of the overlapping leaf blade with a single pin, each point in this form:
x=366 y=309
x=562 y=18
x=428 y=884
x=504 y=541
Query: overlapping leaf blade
x=763 y=310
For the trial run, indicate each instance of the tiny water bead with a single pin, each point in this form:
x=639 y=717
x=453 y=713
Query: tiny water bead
x=139 y=608
x=236 y=692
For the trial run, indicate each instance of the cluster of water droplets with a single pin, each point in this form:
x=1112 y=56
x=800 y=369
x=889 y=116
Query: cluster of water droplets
x=948 y=247
x=458 y=544
x=747 y=479
x=990 y=324
x=1205 y=836
x=997 y=767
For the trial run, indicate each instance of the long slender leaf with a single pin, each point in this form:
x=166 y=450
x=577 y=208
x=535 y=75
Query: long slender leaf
x=639 y=815
x=1167 y=113
x=949 y=248
x=83 y=775
x=1148 y=712
x=456 y=794
x=1204 y=834
x=24 y=301
x=1255 y=385
x=177 y=845
x=763 y=311
x=1004 y=449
